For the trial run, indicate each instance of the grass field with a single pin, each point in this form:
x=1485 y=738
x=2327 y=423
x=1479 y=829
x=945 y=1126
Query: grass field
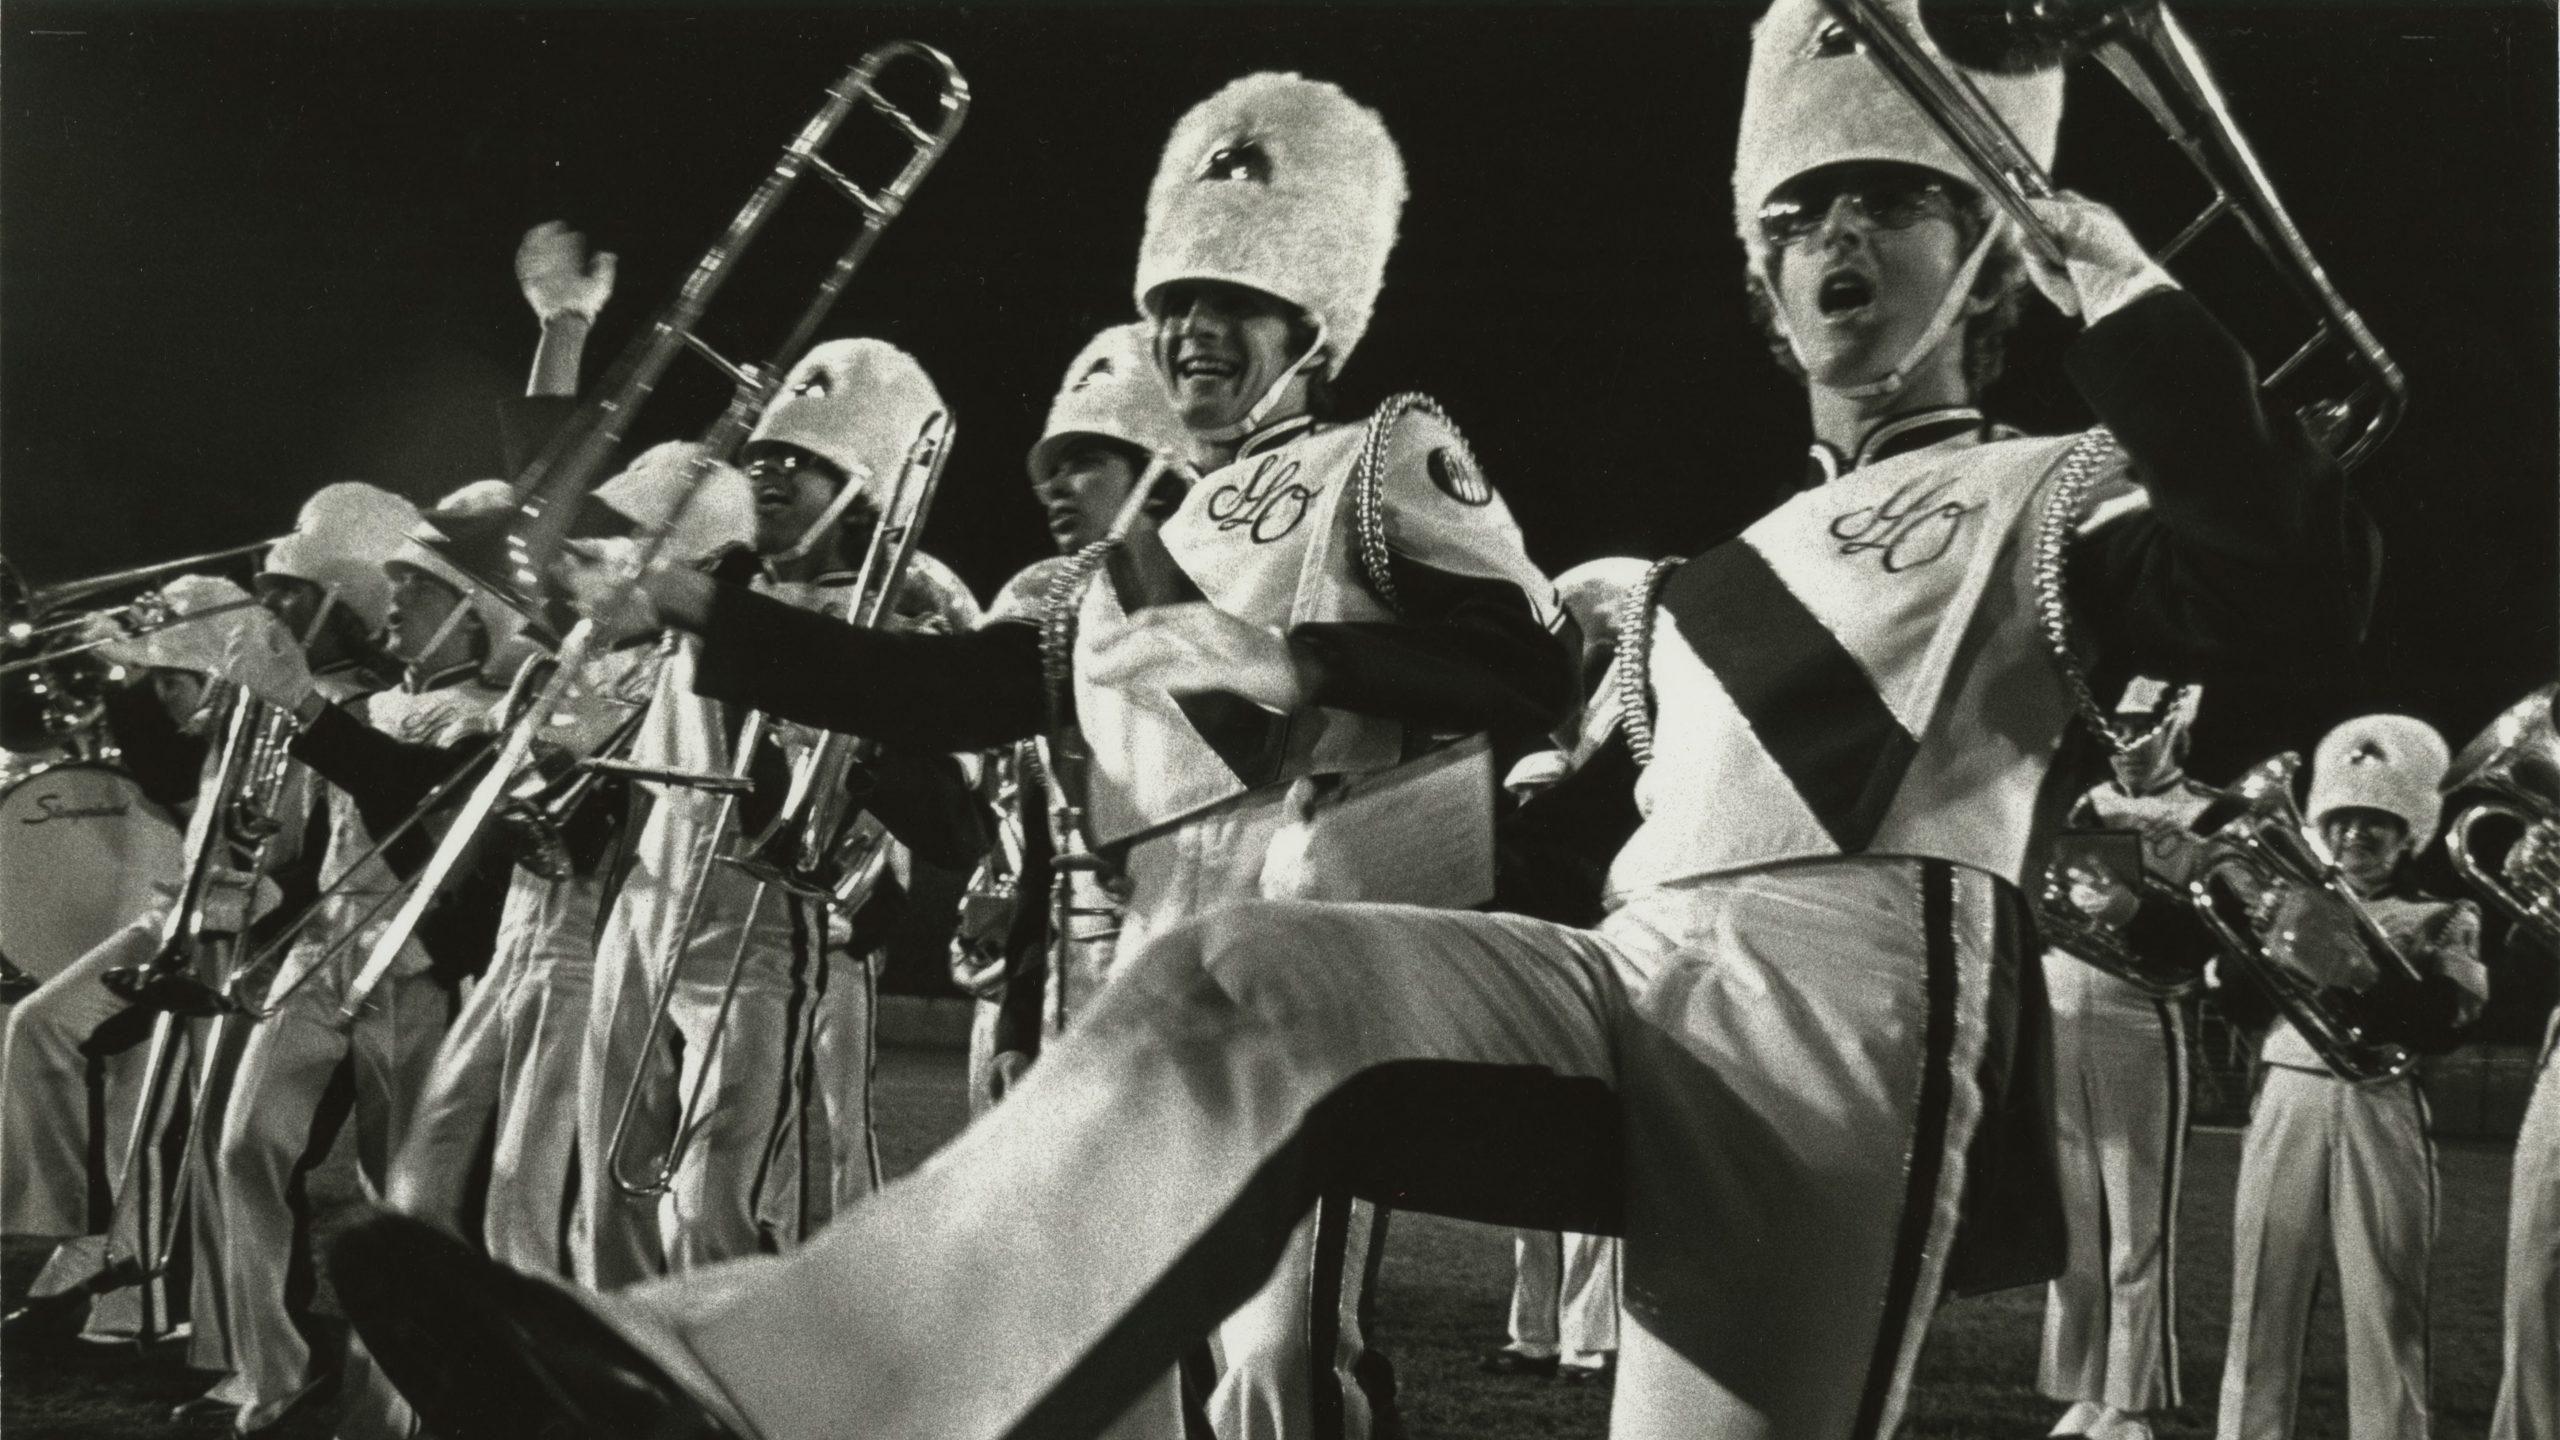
x=1442 y=1300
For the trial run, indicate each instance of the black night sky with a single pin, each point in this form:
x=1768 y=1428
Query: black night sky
x=253 y=248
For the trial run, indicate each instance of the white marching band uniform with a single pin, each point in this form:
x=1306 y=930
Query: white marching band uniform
x=2332 y=1168
x=2120 y=1082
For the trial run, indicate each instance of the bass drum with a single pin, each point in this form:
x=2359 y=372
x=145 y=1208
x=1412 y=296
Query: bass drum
x=82 y=855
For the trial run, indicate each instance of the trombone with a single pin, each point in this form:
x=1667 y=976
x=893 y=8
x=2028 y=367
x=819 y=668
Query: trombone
x=2142 y=44
x=2517 y=761
x=815 y=847
x=548 y=494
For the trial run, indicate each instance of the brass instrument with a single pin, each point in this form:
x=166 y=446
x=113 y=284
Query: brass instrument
x=198 y=970
x=2516 y=760
x=549 y=492
x=2352 y=400
x=2065 y=926
x=52 y=688
x=2284 y=916
x=815 y=847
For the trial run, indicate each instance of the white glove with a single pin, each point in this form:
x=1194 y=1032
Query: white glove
x=114 y=643
x=598 y=574
x=267 y=663
x=558 y=276
x=197 y=644
x=2104 y=267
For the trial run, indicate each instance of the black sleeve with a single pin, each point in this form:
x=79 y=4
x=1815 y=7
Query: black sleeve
x=1468 y=655
x=2250 y=550
x=928 y=804
x=165 y=761
x=387 y=778
x=932 y=693
x=527 y=423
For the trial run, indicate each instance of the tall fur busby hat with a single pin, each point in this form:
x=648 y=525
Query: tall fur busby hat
x=856 y=404
x=1284 y=185
x=720 y=516
x=1112 y=390
x=2391 y=763
x=344 y=536
x=1813 y=98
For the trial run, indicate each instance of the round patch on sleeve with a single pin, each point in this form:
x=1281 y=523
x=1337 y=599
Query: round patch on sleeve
x=1457 y=478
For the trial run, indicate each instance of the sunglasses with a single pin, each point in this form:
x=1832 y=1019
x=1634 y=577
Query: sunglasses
x=1885 y=199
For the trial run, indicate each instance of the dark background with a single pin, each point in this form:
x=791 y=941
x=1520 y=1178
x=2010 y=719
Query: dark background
x=252 y=249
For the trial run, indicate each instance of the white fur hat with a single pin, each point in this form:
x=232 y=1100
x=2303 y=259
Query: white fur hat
x=1814 y=98
x=856 y=404
x=2391 y=763
x=344 y=536
x=1284 y=185
x=460 y=542
x=1113 y=391
x=1025 y=597
x=722 y=514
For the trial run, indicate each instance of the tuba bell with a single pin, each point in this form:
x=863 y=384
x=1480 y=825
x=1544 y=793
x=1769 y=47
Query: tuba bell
x=2284 y=917
x=2517 y=762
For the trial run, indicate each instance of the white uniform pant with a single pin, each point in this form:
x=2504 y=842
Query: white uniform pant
x=736 y=1190
x=2120 y=1089
x=1771 y=1080
x=303 y=1075
x=1268 y=1383
x=66 y=1121
x=836 y=1115
x=1564 y=1295
x=2330 y=1165
x=2529 y=1394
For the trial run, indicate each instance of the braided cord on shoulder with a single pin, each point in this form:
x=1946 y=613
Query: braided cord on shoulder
x=2082 y=467
x=1634 y=669
x=1369 y=486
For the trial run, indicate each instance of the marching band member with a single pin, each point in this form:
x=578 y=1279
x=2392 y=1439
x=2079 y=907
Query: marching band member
x=2120 y=1060
x=307 y=1070
x=818 y=465
x=1107 y=424
x=2349 y=1168
x=1767 y=1065
x=70 y=1108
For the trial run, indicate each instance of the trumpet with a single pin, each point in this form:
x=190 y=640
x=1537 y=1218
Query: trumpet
x=548 y=494
x=815 y=847
x=2516 y=760
x=2284 y=916
x=2345 y=387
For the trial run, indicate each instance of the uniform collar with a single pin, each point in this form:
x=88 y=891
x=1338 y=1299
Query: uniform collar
x=1276 y=434
x=1900 y=435
x=419 y=682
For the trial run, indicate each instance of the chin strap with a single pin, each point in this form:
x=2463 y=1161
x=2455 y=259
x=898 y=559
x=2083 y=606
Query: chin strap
x=1950 y=311
x=1270 y=400
x=854 y=484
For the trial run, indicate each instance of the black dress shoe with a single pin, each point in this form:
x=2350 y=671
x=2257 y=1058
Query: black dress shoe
x=1510 y=1362
x=205 y=1412
x=487 y=1353
x=1600 y=1374
x=47 y=1323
